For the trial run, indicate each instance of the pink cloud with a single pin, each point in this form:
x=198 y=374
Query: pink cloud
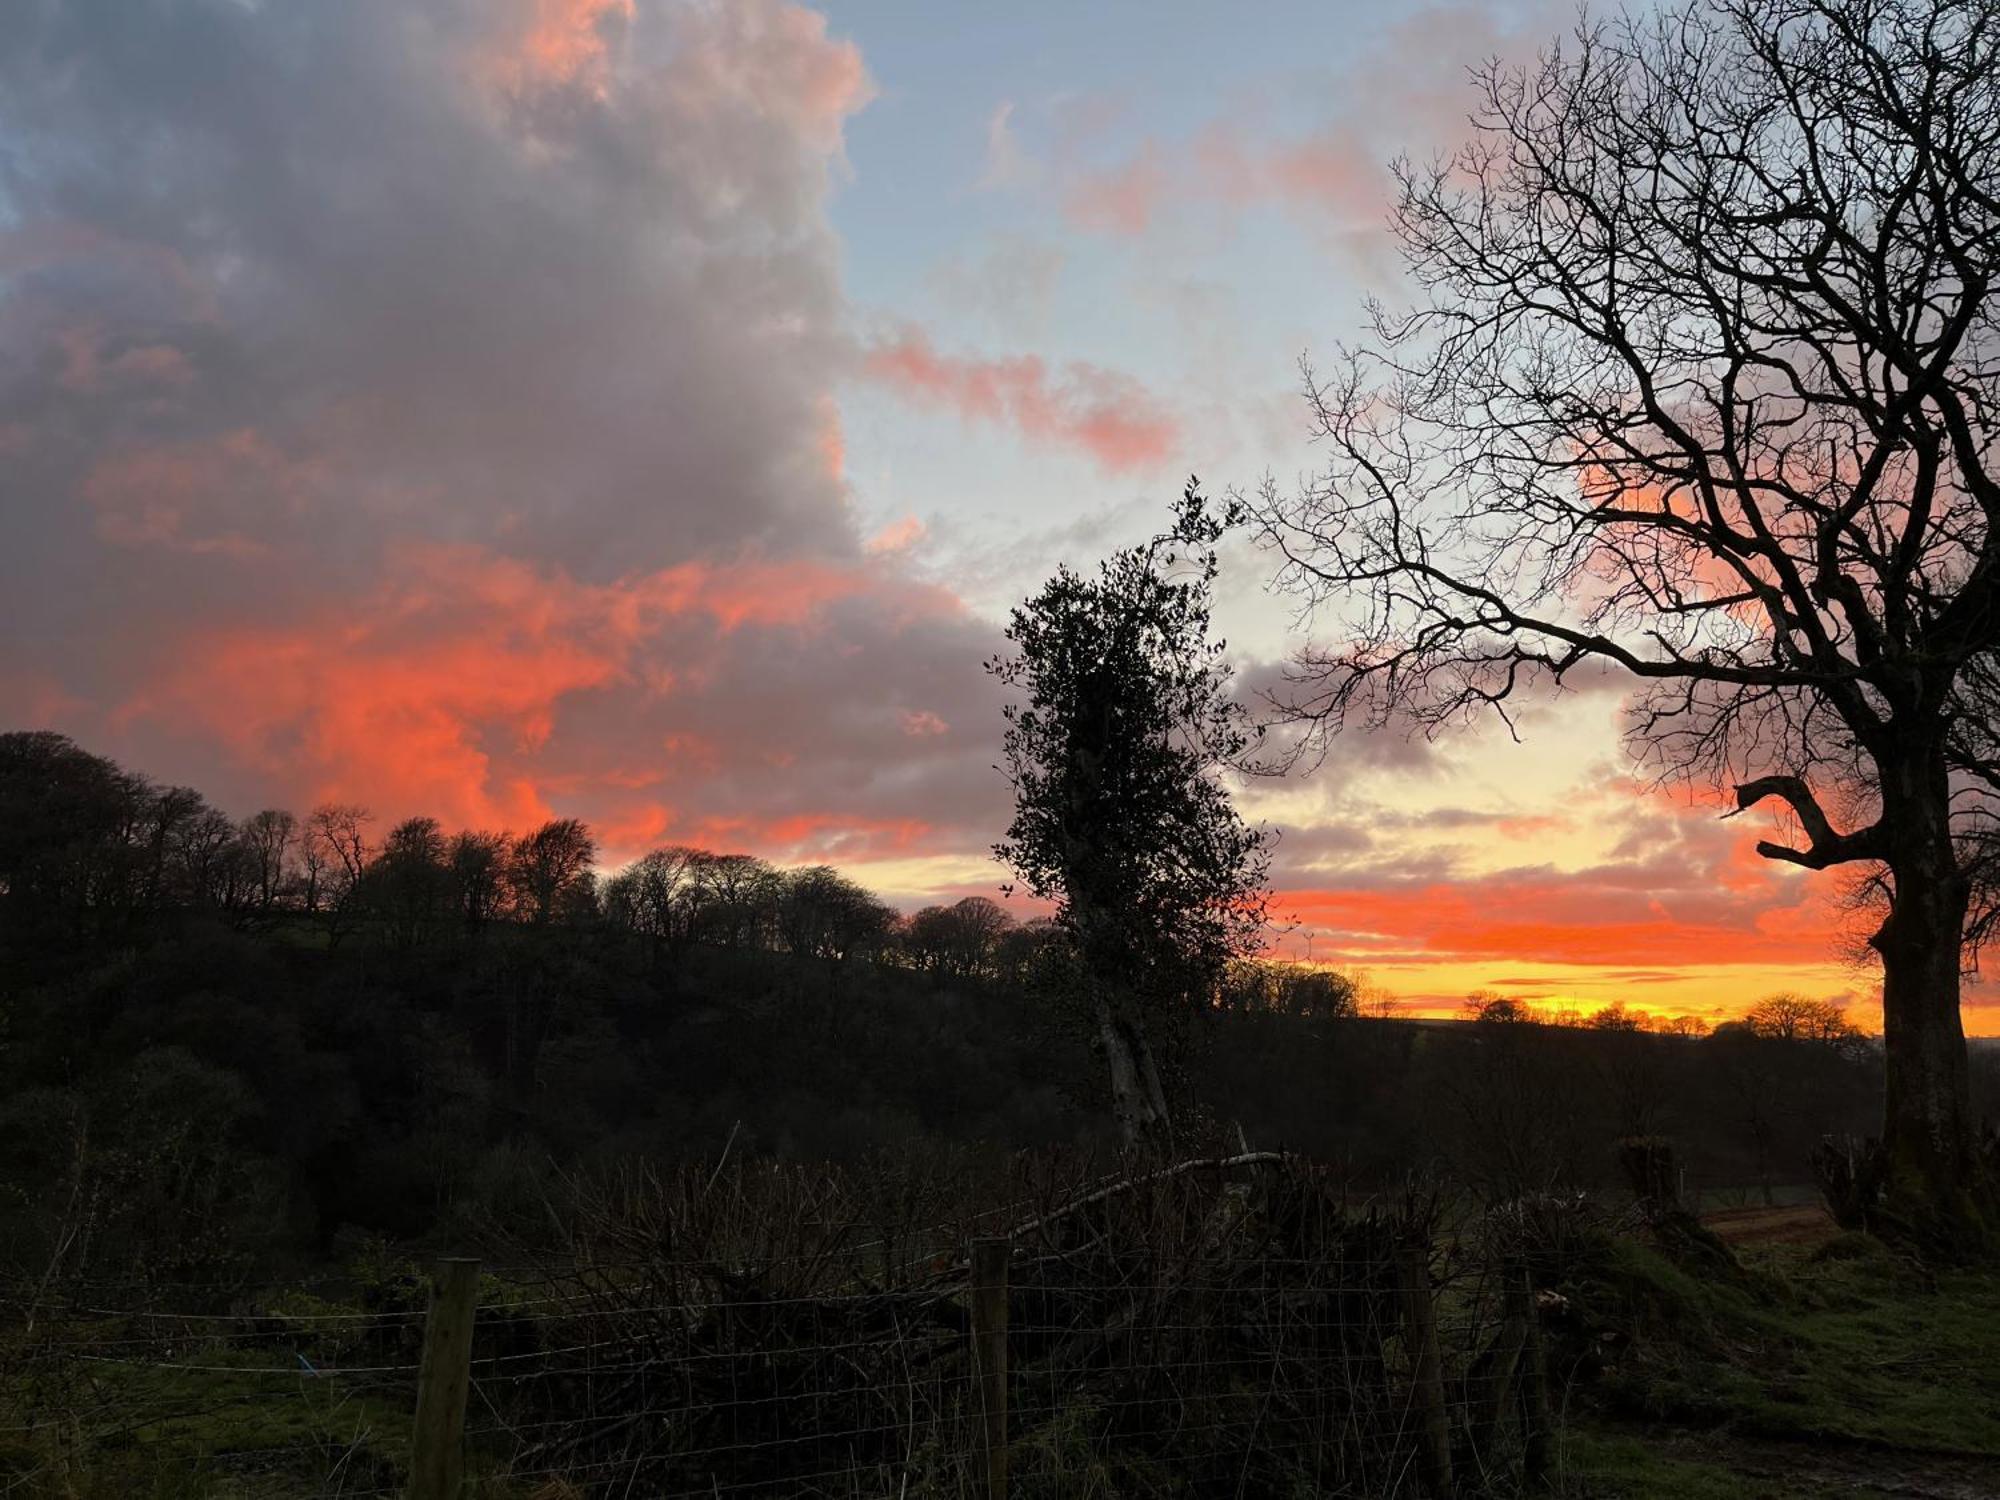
x=769 y=61
x=897 y=536
x=1333 y=171
x=1403 y=89
x=1330 y=176
x=86 y=371
x=792 y=837
x=1120 y=199
x=216 y=495
x=37 y=700
x=1109 y=416
x=554 y=44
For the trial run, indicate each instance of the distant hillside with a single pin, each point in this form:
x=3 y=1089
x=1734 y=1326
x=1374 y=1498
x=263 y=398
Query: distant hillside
x=214 y=1050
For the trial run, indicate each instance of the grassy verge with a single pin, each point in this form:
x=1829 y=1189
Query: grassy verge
x=1828 y=1369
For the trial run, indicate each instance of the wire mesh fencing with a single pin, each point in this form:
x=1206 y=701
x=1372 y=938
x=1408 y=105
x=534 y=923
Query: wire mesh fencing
x=1230 y=1327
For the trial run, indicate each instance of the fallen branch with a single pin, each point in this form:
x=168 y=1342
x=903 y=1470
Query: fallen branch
x=1126 y=1185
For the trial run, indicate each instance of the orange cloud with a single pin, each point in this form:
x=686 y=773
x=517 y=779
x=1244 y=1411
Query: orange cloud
x=426 y=693
x=345 y=711
x=1582 y=941
x=1623 y=879
x=799 y=838
x=1109 y=416
x=1590 y=918
x=814 y=836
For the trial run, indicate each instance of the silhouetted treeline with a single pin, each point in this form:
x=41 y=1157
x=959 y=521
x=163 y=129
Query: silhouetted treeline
x=227 y=1041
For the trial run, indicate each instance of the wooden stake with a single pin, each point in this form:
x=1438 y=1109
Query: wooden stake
x=437 y=1451
x=989 y=1358
x=1426 y=1369
x=1534 y=1390
x=1502 y=1362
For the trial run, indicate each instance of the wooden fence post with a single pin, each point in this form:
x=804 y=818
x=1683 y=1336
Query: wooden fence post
x=1426 y=1368
x=989 y=1358
x=437 y=1450
x=1500 y=1393
x=1534 y=1391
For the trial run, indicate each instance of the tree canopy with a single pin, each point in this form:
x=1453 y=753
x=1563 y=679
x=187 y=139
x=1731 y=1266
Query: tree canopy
x=1117 y=752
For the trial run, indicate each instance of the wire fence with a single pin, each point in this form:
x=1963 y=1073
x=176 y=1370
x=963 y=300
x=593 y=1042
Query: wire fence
x=1235 y=1330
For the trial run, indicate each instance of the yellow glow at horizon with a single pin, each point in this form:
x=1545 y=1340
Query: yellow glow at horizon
x=1563 y=775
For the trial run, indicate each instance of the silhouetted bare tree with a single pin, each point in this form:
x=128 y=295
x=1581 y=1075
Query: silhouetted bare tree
x=957 y=940
x=823 y=914
x=743 y=893
x=70 y=825
x=1300 y=991
x=336 y=853
x=411 y=881
x=478 y=868
x=663 y=896
x=1700 y=384
x=268 y=839
x=1797 y=1018
x=548 y=870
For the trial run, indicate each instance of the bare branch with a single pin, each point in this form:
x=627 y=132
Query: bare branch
x=1826 y=847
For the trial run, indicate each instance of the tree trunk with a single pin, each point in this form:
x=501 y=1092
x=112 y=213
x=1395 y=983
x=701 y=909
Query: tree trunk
x=1932 y=1183
x=1149 y=1078
x=1137 y=1100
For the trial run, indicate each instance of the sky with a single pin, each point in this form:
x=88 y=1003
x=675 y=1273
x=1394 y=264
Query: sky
x=647 y=410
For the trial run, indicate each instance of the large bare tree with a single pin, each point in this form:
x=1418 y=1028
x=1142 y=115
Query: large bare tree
x=1699 y=381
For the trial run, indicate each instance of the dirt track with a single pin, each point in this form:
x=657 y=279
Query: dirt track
x=1796 y=1224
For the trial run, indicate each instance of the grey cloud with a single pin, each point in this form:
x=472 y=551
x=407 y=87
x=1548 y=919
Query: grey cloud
x=286 y=288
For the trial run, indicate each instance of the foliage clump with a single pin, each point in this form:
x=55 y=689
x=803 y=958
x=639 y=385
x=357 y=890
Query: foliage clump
x=1122 y=816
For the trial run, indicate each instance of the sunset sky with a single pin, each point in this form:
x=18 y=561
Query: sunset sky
x=647 y=410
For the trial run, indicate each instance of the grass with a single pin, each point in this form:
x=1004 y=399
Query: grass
x=301 y=1405
x=1596 y=1462
x=1819 y=1371
x=150 y=1429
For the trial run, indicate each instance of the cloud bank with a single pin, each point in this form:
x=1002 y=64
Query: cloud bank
x=432 y=405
